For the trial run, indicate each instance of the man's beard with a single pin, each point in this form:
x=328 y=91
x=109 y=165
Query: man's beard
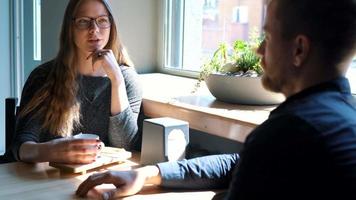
x=271 y=85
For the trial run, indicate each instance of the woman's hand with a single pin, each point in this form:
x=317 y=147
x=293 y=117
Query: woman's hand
x=127 y=182
x=105 y=60
x=71 y=150
x=63 y=150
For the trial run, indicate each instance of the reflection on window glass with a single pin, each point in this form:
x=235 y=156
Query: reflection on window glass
x=209 y=22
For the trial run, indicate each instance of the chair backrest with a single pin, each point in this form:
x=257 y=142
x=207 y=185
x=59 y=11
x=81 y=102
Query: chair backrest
x=10 y=123
x=10 y=120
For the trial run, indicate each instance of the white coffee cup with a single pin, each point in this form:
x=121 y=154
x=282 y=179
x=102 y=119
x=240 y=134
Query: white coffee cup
x=86 y=136
x=89 y=136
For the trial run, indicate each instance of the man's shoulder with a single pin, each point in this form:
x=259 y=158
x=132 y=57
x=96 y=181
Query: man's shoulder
x=283 y=124
x=281 y=133
x=321 y=118
x=322 y=110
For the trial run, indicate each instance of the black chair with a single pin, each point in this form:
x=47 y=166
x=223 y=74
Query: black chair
x=10 y=122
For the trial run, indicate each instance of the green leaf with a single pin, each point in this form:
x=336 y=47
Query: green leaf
x=242 y=55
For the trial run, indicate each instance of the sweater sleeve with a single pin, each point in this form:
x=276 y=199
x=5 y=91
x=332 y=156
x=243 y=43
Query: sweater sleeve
x=123 y=128
x=200 y=173
x=28 y=127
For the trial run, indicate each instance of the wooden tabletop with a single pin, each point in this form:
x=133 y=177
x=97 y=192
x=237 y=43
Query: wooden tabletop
x=23 y=181
x=171 y=96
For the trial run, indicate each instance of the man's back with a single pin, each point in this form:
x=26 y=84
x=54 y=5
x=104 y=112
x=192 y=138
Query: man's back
x=306 y=149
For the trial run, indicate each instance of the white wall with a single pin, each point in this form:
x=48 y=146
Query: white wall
x=5 y=90
x=52 y=12
x=138 y=28
x=137 y=24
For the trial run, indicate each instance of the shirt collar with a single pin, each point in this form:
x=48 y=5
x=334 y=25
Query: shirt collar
x=340 y=85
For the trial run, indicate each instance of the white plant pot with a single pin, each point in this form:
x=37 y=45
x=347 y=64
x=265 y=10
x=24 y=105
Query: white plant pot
x=241 y=90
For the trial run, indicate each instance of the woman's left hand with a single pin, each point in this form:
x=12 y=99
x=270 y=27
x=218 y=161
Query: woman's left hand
x=105 y=60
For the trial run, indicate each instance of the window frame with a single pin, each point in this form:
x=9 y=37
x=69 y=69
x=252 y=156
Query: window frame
x=167 y=35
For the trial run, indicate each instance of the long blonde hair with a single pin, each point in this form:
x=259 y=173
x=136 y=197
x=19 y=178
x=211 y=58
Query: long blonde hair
x=57 y=100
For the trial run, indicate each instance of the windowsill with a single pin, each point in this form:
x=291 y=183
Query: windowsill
x=171 y=96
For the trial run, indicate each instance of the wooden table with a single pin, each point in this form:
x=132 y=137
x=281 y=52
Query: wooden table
x=40 y=181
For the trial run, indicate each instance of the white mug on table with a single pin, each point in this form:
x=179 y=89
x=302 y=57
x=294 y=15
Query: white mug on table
x=89 y=136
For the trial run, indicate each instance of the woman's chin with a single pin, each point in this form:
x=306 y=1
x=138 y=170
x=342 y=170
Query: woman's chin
x=92 y=48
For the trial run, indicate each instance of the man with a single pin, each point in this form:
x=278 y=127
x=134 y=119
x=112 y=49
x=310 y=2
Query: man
x=307 y=147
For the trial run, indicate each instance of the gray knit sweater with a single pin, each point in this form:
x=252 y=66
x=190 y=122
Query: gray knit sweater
x=95 y=108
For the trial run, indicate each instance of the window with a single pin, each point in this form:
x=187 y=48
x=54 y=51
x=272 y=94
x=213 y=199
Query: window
x=240 y=14
x=194 y=28
x=351 y=75
x=37 y=30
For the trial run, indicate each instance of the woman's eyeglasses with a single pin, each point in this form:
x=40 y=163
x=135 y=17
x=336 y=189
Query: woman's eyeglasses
x=102 y=22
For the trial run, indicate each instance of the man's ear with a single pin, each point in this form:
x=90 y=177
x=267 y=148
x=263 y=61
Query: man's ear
x=301 y=50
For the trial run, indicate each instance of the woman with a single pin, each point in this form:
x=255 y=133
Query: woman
x=90 y=87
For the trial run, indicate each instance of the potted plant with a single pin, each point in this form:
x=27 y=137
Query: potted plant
x=233 y=74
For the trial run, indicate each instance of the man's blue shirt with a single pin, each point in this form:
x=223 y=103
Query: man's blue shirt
x=305 y=150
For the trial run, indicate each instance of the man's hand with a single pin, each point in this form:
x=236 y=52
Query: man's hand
x=127 y=182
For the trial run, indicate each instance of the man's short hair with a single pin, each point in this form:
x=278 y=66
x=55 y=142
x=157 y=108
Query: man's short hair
x=329 y=24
